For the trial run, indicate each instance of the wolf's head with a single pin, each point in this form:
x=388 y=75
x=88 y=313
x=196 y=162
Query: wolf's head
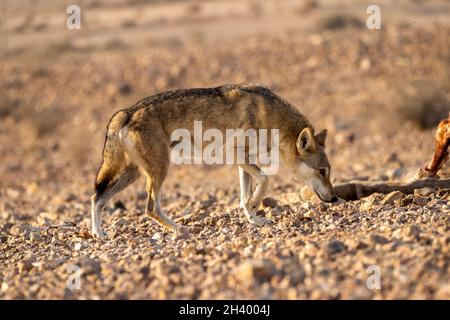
x=312 y=166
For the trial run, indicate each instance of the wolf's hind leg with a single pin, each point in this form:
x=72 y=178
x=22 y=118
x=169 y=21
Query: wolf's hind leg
x=153 y=157
x=153 y=208
x=99 y=200
x=252 y=202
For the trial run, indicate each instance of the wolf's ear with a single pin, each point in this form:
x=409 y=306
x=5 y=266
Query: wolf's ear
x=305 y=141
x=321 y=137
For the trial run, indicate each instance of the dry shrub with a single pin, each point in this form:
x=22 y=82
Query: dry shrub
x=423 y=103
x=340 y=21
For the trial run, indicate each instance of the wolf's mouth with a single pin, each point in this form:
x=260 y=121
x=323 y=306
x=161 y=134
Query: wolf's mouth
x=318 y=194
x=332 y=199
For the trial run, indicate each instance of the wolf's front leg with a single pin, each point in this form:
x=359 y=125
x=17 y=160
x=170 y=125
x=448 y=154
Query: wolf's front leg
x=245 y=183
x=262 y=183
x=249 y=203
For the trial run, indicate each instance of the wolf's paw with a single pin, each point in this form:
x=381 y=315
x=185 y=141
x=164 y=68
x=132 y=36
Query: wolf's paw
x=99 y=234
x=260 y=221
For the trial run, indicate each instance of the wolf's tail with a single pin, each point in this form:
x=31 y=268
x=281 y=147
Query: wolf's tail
x=113 y=158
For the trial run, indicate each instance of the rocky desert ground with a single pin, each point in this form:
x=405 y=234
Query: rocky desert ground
x=380 y=93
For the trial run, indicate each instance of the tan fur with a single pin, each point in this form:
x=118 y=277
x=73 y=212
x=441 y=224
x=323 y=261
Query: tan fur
x=138 y=138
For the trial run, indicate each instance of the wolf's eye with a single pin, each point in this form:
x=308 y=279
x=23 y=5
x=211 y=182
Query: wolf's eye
x=323 y=172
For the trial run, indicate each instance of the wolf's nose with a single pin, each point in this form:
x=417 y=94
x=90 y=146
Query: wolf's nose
x=334 y=199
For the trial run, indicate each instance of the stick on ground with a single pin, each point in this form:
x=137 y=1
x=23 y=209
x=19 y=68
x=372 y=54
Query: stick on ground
x=358 y=189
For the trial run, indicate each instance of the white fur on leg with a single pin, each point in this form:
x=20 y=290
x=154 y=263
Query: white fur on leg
x=245 y=183
x=96 y=218
x=251 y=215
x=160 y=217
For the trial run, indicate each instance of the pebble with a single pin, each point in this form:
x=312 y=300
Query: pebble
x=420 y=201
x=269 y=203
x=335 y=246
x=158 y=236
x=413 y=231
x=368 y=203
x=377 y=239
x=390 y=198
x=256 y=271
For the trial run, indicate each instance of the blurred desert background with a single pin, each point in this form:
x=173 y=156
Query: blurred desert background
x=380 y=94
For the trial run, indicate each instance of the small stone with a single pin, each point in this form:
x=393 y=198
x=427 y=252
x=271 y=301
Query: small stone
x=310 y=214
x=365 y=64
x=420 y=201
x=361 y=245
x=392 y=197
x=424 y=192
x=265 y=230
x=369 y=202
x=256 y=271
x=275 y=212
x=84 y=234
x=89 y=265
x=248 y=251
x=335 y=246
x=25 y=265
x=207 y=200
x=121 y=222
x=291 y=198
x=124 y=88
x=269 y=202
x=413 y=231
x=392 y=157
x=19 y=229
x=377 y=239
x=119 y=205
x=158 y=236
x=77 y=246
x=12 y=193
x=4 y=286
x=310 y=249
x=182 y=235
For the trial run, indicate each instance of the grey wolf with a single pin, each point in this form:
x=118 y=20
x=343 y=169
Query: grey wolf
x=138 y=142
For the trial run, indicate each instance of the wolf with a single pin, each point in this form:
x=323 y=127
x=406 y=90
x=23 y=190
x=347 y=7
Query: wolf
x=138 y=142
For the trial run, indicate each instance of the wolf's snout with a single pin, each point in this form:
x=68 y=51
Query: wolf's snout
x=330 y=200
